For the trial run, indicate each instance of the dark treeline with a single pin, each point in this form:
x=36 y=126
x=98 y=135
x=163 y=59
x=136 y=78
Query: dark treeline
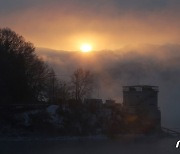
x=71 y=120
x=34 y=100
x=26 y=79
x=23 y=76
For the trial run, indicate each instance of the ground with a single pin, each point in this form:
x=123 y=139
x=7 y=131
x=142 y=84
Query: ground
x=91 y=145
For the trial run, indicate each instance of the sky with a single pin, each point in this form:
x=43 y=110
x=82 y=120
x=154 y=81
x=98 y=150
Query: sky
x=105 y=24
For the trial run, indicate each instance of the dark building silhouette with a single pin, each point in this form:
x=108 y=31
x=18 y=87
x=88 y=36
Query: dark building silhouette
x=93 y=104
x=110 y=103
x=142 y=101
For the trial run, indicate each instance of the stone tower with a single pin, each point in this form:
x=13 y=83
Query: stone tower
x=141 y=101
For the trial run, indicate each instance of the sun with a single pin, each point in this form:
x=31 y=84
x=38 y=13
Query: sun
x=86 y=48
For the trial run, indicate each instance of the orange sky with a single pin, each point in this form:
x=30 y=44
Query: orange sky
x=67 y=26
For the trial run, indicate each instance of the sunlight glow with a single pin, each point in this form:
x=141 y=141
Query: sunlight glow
x=86 y=48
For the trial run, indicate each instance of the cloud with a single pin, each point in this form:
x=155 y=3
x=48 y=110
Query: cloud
x=105 y=24
x=89 y=5
x=148 y=64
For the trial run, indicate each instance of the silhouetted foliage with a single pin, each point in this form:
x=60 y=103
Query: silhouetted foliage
x=40 y=122
x=23 y=75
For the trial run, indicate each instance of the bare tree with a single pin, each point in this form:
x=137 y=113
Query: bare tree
x=82 y=84
x=63 y=92
x=52 y=86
